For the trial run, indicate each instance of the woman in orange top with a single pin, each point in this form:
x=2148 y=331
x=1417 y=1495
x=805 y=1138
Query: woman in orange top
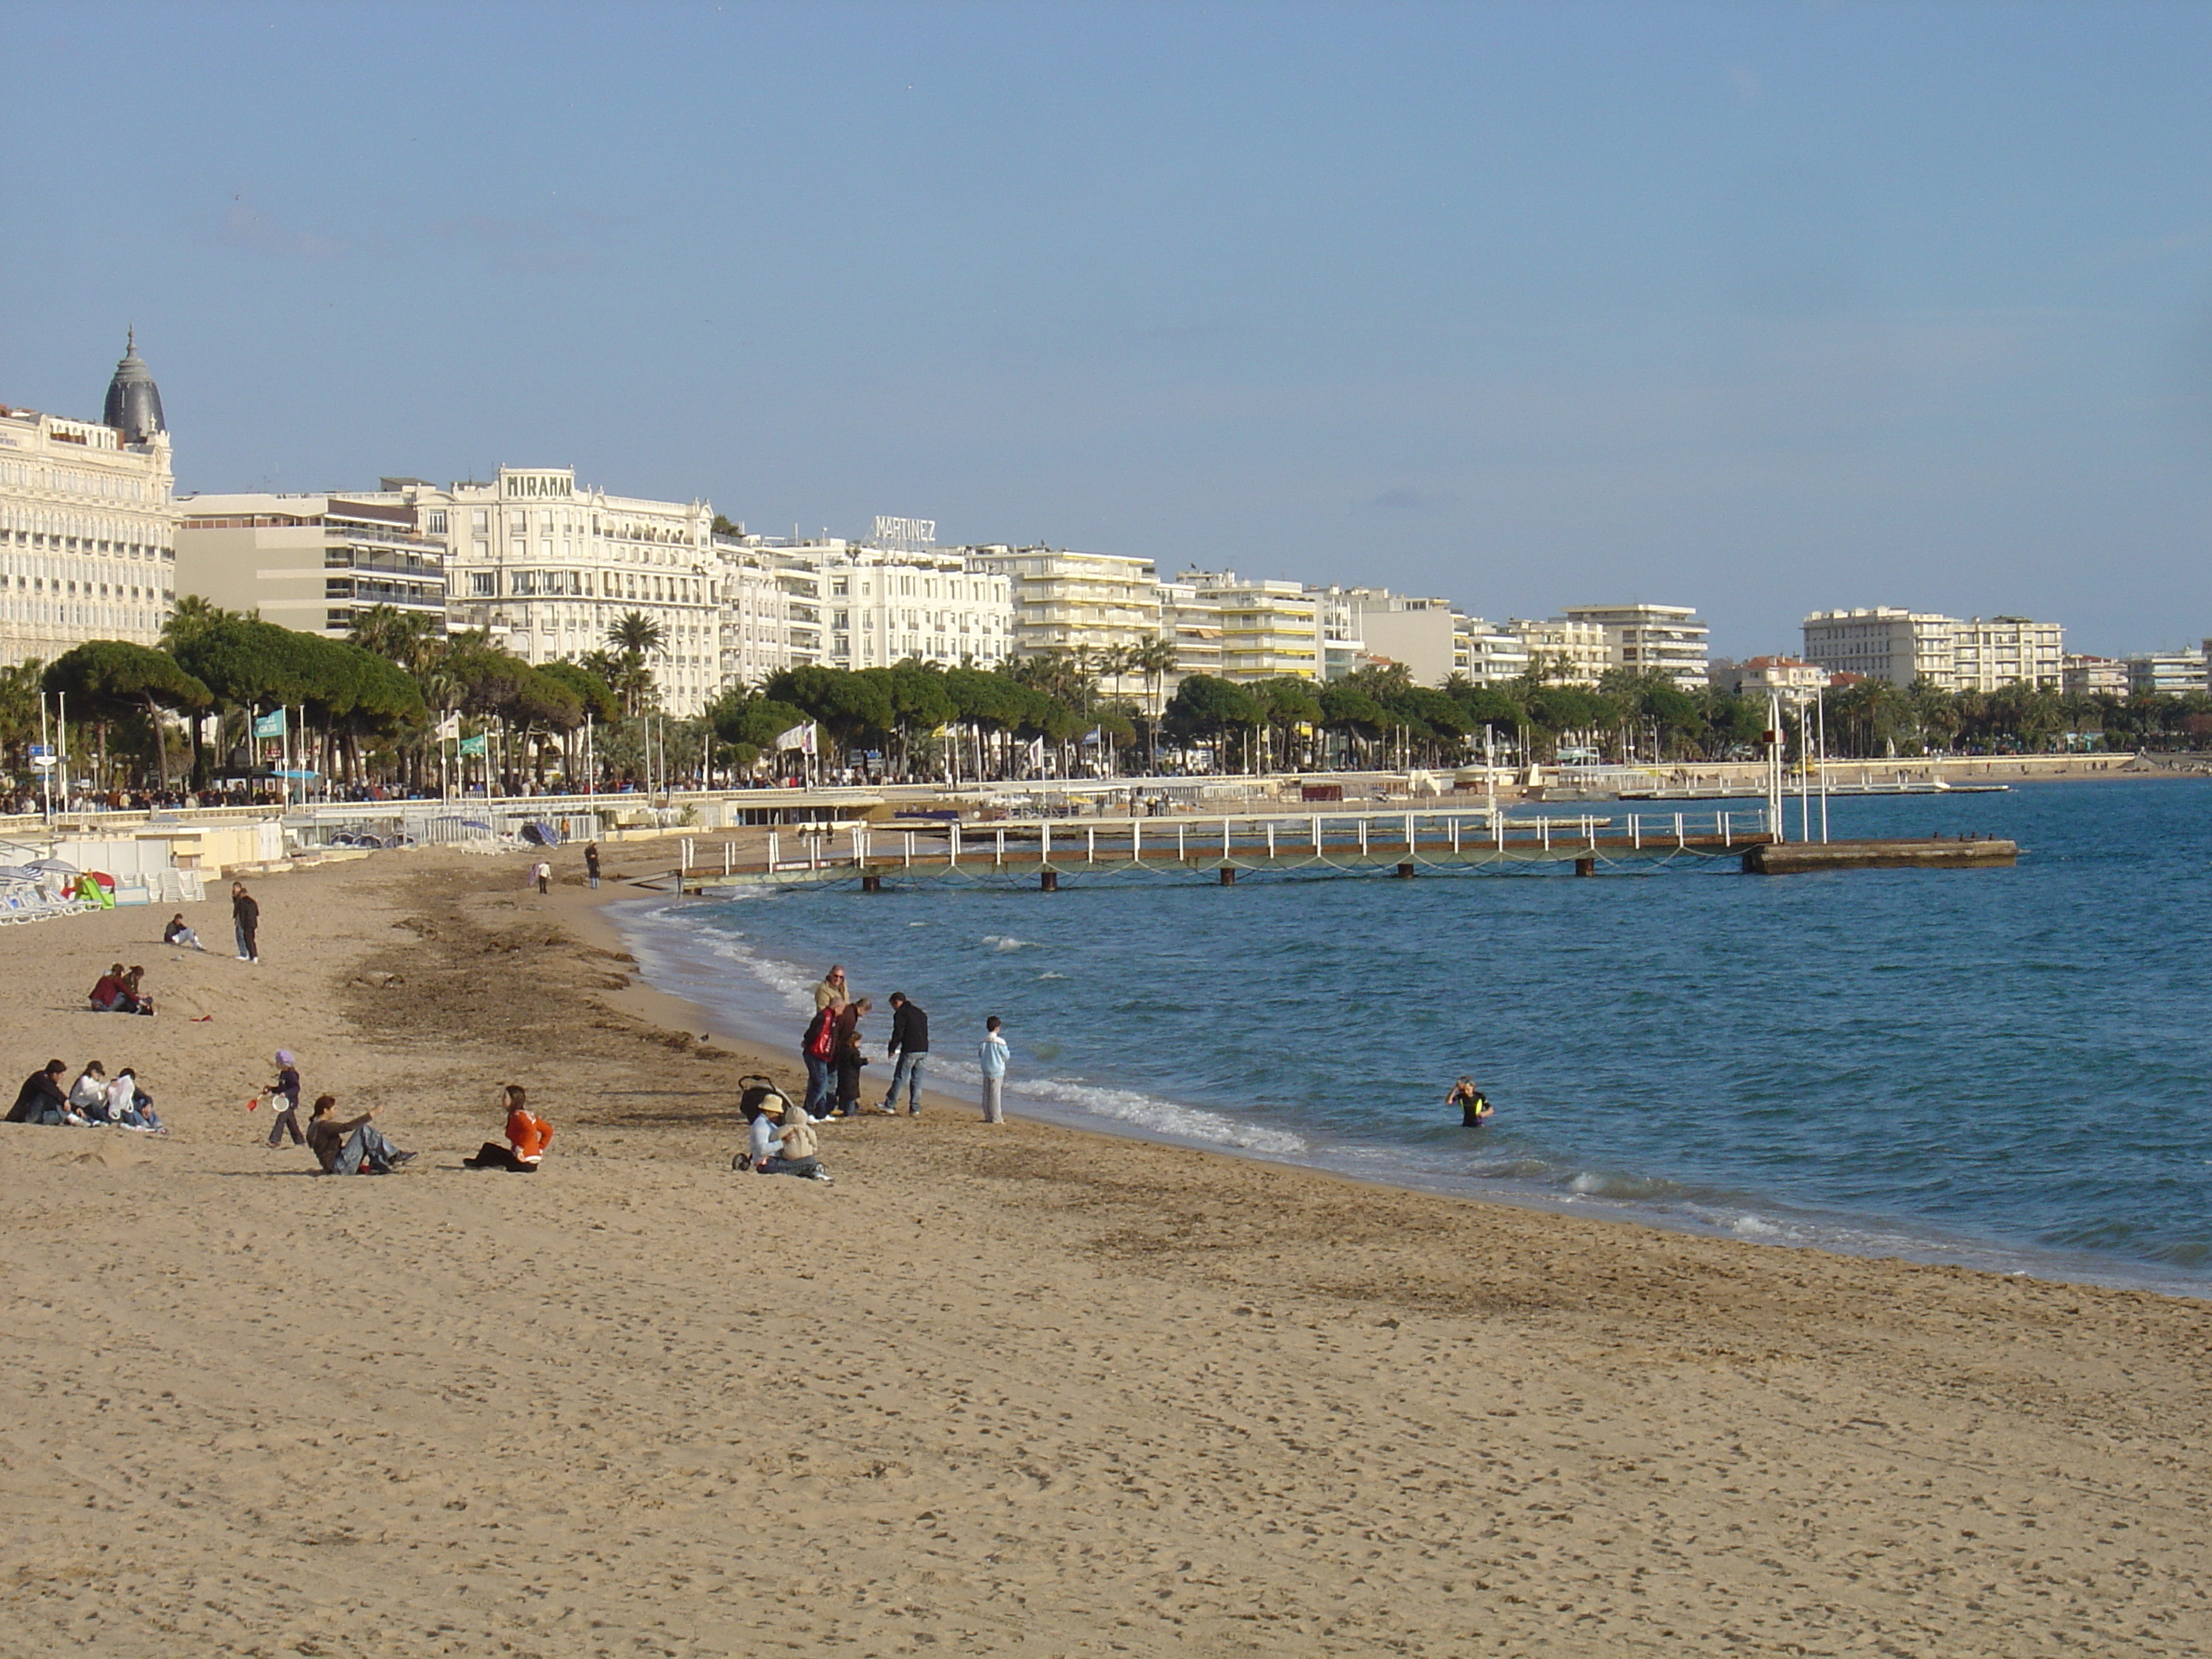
x=527 y=1137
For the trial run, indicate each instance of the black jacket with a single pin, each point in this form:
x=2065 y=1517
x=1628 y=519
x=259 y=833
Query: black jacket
x=909 y=1029
x=246 y=911
x=39 y=1093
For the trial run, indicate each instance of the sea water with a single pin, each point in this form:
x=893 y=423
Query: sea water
x=2010 y=1068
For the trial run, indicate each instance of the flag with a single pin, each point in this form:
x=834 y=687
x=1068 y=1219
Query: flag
x=799 y=737
x=473 y=745
x=271 y=725
x=1090 y=737
x=449 y=727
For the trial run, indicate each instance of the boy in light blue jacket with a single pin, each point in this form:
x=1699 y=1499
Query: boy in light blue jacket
x=993 y=1055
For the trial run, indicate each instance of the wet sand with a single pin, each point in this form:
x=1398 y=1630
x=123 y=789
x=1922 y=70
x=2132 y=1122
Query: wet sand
x=1012 y=1391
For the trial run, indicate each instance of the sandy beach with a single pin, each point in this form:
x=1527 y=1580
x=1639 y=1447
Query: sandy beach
x=998 y=1390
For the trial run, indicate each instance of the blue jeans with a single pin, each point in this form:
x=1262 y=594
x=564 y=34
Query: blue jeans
x=366 y=1145
x=908 y=1071
x=821 y=1086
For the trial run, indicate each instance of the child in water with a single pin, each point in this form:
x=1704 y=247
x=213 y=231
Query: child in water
x=1474 y=1106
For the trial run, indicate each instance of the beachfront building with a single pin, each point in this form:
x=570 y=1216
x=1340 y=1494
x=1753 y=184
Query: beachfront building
x=1487 y=655
x=87 y=531
x=547 y=566
x=875 y=606
x=312 y=563
x=1192 y=626
x=1421 y=635
x=1901 y=647
x=1795 y=679
x=755 y=612
x=1563 y=650
x=2005 y=651
x=1268 y=628
x=2165 y=673
x=1086 y=604
x=2092 y=676
x=1652 y=639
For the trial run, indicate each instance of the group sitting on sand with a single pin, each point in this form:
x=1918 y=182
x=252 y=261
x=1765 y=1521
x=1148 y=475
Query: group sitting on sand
x=118 y=991
x=93 y=1100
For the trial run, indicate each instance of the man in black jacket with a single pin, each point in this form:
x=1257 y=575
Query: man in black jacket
x=245 y=921
x=909 y=1044
x=41 y=1093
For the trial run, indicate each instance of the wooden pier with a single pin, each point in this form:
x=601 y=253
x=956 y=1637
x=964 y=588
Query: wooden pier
x=1808 y=857
x=1047 y=853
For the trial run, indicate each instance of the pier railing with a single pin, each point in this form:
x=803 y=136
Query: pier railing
x=1404 y=841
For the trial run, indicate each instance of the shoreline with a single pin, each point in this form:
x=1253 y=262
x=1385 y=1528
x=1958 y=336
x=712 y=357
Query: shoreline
x=1767 y=1222
x=1019 y=1391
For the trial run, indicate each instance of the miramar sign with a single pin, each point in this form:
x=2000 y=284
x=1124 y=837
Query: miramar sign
x=537 y=486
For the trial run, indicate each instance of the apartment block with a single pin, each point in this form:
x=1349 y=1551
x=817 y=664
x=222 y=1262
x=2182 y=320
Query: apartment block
x=87 y=532
x=312 y=563
x=1902 y=646
x=2092 y=676
x=1268 y=628
x=1569 y=652
x=1652 y=639
x=2165 y=673
x=1487 y=655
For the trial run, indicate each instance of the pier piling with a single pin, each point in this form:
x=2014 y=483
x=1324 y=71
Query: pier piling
x=1405 y=872
x=871 y=884
x=1049 y=881
x=1586 y=866
x=1228 y=875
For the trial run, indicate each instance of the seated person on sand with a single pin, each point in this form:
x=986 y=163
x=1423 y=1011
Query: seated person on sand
x=179 y=934
x=88 y=1096
x=134 y=988
x=41 y=1096
x=779 y=1148
x=527 y=1137
x=1474 y=1106
x=350 y=1145
x=131 y=1106
x=112 y=994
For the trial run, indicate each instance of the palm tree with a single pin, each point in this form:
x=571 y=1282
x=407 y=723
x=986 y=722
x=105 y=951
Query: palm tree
x=1156 y=660
x=410 y=639
x=632 y=635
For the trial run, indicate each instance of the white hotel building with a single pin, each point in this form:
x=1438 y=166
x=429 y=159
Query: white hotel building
x=548 y=566
x=88 y=535
x=854 y=604
x=1885 y=643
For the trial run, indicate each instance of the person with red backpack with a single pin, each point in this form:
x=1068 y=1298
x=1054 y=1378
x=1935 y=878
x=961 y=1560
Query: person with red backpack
x=819 y=1050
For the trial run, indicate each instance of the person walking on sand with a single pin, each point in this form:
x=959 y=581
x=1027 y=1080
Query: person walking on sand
x=592 y=862
x=542 y=873
x=909 y=1050
x=993 y=1056
x=832 y=991
x=527 y=1137
x=284 y=1100
x=245 y=923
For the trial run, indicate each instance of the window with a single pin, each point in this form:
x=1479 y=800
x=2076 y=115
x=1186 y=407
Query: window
x=480 y=521
x=484 y=583
x=434 y=521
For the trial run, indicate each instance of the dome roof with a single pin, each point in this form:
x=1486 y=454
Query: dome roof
x=134 y=402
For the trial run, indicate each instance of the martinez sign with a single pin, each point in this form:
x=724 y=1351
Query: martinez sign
x=537 y=486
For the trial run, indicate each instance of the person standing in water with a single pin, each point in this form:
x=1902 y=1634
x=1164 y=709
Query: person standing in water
x=1474 y=1106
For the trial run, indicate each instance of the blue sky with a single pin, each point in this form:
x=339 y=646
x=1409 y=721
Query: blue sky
x=1760 y=309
